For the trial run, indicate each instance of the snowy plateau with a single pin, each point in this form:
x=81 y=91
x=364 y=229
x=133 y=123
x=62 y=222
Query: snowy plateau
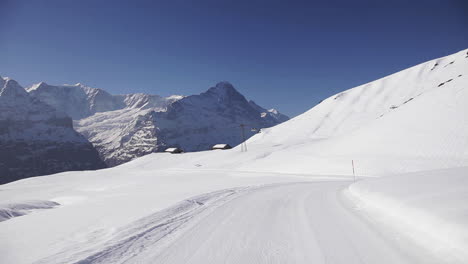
x=291 y=198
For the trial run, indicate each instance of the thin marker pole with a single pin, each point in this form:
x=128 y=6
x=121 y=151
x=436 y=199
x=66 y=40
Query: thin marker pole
x=354 y=175
x=243 y=143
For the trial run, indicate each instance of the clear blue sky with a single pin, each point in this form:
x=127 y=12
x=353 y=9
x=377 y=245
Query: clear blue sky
x=283 y=54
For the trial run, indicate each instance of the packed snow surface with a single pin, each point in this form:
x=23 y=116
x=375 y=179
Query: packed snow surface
x=291 y=198
x=428 y=207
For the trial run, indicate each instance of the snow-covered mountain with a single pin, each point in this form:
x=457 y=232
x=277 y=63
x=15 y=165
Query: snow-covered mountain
x=77 y=101
x=80 y=101
x=151 y=123
x=36 y=139
x=141 y=100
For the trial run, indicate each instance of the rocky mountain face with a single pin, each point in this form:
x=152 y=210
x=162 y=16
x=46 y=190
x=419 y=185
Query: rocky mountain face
x=36 y=139
x=197 y=122
x=193 y=123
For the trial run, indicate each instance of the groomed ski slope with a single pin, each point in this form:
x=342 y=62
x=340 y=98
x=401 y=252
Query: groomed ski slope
x=286 y=223
x=290 y=198
x=415 y=218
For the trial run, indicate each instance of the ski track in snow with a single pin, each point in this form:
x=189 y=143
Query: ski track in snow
x=279 y=223
x=293 y=223
x=149 y=233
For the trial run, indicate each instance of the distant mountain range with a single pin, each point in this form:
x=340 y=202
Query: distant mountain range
x=39 y=130
x=123 y=127
x=36 y=139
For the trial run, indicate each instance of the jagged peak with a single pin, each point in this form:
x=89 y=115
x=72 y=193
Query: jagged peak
x=225 y=85
x=44 y=85
x=224 y=89
x=37 y=86
x=12 y=88
x=83 y=86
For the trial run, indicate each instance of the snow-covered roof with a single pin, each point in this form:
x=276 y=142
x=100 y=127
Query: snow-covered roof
x=172 y=150
x=221 y=146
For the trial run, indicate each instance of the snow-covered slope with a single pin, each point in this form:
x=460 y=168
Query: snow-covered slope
x=427 y=207
x=151 y=123
x=156 y=102
x=412 y=120
x=36 y=139
x=121 y=135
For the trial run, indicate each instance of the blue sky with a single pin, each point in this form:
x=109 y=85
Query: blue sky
x=283 y=54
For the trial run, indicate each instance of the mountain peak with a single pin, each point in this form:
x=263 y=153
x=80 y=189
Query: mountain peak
x=81 y=85
x=224 y=89
x=224 y=85
x=12 y=88
x=37 y=86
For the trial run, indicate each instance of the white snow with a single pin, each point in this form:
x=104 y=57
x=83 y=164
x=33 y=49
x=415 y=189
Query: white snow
x=97 y=206
x=289 y=199
x=429 y=208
